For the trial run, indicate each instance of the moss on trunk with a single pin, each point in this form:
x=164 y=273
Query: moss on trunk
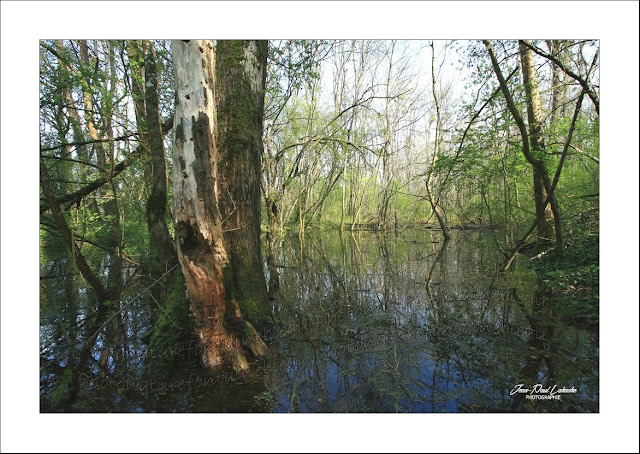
x=173 y=326
x=240 y=81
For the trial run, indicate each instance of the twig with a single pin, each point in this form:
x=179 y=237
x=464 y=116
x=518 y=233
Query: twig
x=88 y=142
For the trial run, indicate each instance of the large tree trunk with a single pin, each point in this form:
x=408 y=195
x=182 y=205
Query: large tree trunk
x=551 y=212
x=198 y=225
x=240 y=84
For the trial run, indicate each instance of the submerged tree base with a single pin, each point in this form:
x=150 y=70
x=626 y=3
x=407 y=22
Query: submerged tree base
x=229 y=342
x=225 y=336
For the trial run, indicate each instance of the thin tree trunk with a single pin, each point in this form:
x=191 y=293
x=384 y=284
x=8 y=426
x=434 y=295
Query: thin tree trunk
x=544 y=213
x=436 y=151
x=88 y=106
x=74 y=118
x=136 y=68
x=160 y=239
x=526 y=148
x=112 y=206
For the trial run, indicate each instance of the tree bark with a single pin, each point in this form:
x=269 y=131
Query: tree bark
x=536 y=139
x=545 y=213
x=558 y=86
x=136 y=70
x=160 y=239
x=74 y=118
x=198 y=224
x=582 y=81
x=436 y=151
x=537 y=164
x=87 y=99
x=240 y=89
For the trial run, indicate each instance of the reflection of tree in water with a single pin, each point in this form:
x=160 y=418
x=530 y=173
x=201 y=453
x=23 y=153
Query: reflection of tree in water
x=365 y=323
x=560 y=355
x=81 y=338
x=411 y=325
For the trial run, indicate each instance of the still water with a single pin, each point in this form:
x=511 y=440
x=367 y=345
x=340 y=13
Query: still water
x=365 y=323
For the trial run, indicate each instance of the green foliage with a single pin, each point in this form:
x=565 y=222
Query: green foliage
x=294 y=65
x=573 y=281
x=367 y=139
x=263 y=398
x=65 y=381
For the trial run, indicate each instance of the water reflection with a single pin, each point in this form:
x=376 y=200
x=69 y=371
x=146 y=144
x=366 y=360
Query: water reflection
x=366 y=323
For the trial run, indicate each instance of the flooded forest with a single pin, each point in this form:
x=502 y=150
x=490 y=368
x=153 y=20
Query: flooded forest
x=319 y=226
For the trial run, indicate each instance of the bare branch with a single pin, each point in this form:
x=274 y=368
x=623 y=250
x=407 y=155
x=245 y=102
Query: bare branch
x=89 y=142
x=76 y=197
x=587 y=88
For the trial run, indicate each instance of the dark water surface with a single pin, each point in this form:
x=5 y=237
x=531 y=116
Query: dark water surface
x=366 y=323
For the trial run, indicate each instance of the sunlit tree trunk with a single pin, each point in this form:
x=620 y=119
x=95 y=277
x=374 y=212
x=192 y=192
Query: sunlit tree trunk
x=549 y=214
x=71 y=109
x=536 y=161
x=198 y=224
x=87 y=99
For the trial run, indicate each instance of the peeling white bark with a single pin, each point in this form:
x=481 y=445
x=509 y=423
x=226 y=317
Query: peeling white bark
x=194 y=64
x=251 y=69
x=199 y=237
